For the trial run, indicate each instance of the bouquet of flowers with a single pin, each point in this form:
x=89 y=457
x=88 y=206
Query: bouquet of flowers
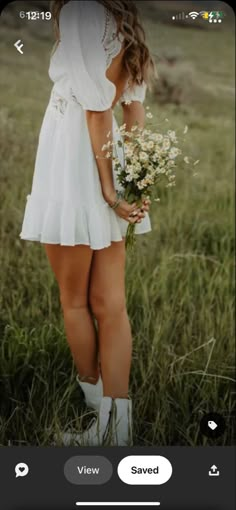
x=148 y=157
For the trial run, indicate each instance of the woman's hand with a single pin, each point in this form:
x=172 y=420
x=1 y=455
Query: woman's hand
x=146 y=205
x=129 y=212
x=143 y=209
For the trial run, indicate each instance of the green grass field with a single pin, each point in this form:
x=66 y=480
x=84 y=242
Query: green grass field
x=179 y=282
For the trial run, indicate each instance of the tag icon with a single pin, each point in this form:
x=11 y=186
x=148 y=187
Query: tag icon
x=212 y=424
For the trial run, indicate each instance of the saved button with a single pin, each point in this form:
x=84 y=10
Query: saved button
x=144 y=470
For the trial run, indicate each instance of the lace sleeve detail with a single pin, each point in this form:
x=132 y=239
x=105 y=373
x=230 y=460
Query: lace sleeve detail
x=134 y=93
x=112 y=43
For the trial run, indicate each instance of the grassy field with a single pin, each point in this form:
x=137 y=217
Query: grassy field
x=179 y=282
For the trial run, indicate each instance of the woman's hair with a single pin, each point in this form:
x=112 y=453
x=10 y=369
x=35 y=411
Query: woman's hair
x=137 y=58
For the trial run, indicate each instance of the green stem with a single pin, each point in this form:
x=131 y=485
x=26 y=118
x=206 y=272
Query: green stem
x=130 y=237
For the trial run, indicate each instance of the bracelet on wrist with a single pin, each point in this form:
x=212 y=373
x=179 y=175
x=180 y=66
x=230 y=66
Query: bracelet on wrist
x=115 y=205
x=118 y=199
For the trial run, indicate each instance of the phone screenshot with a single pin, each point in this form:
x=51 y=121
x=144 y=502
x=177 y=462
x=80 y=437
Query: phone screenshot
x=117 y=344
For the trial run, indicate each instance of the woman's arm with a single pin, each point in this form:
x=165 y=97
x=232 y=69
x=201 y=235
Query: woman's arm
x=99 y=125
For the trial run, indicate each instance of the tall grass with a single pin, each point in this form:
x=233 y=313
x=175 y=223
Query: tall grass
x=179 y=282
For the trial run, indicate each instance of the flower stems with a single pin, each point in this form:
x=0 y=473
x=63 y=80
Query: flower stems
x=130 y=237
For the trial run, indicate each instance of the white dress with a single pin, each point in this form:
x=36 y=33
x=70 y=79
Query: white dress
x=66 y=205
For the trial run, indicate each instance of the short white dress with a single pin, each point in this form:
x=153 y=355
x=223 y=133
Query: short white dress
x=66 y=204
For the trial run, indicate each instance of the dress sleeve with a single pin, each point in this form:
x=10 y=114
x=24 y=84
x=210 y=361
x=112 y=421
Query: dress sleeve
x=134 y=93
x=82 y=29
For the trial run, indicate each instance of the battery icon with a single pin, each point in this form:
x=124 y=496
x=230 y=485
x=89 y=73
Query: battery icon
x=215 y=16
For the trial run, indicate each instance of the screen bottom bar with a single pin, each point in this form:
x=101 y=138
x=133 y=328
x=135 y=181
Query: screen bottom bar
x=118 y=503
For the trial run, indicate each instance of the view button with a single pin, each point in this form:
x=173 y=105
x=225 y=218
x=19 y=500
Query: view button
x=88 y=470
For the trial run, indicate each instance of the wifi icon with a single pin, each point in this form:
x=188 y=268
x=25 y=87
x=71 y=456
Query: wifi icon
x=193 y=14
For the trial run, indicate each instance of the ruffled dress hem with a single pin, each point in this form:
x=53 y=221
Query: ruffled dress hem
x=67 y=224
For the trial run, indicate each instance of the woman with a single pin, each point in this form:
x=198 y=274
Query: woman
x=75 y=209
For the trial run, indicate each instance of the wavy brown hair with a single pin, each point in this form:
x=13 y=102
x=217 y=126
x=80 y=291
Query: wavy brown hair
x=137 y=58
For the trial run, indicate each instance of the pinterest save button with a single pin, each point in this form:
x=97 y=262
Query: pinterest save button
x=144 y=470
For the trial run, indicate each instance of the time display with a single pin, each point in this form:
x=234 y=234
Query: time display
x=34 y=15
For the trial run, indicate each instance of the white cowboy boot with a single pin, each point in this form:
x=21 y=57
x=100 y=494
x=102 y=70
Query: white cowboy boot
x=93 y=393
x=113 y=427
x=96 y=434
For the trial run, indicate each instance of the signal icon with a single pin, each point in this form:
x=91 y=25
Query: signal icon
x=180 y=16
x=193 y=14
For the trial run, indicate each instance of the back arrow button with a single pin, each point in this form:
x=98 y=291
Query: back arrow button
x=19 y=45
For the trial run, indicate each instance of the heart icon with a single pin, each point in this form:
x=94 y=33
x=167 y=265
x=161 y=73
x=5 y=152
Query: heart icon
x=21 y=469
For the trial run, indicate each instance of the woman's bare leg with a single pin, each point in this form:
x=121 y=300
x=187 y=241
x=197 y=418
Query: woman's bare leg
x=107 y=300
x=71 y=266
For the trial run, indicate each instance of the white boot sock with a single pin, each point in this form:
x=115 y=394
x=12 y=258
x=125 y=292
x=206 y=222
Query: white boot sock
x=93 y=393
